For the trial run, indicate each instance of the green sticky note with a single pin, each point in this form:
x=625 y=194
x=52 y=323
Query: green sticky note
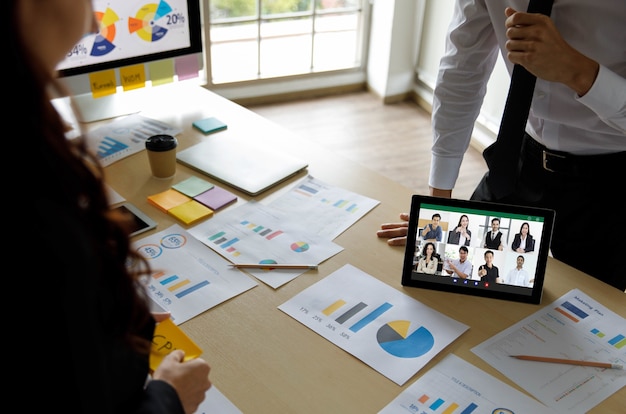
x=209 y=125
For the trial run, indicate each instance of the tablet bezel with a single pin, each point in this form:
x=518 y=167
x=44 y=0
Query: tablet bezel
x=447 y=283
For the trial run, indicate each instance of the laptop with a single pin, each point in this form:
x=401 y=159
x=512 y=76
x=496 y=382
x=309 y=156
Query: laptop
x=250 y=169
x=516 y=272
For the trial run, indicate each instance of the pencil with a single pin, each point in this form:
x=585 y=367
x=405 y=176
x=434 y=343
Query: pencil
x=569 y=361
x=273 y=266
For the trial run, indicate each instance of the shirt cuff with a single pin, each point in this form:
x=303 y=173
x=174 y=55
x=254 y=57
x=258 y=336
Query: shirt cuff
x=444 y=172
x=606 y=96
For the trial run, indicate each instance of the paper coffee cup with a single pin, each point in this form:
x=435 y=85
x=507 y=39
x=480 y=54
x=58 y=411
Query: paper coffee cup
x=161 y=151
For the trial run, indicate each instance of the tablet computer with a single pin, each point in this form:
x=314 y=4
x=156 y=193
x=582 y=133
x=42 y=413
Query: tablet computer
x=477 y=248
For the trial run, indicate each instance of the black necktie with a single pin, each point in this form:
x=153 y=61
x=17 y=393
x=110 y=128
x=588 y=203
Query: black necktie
x=502 y=156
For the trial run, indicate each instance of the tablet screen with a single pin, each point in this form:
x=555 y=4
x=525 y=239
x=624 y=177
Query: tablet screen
x=477 y=248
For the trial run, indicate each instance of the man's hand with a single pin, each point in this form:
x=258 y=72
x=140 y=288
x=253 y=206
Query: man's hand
x=395 y=232
x=536 y=44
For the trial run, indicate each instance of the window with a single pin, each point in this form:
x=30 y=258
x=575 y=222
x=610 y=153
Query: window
x=263 y=39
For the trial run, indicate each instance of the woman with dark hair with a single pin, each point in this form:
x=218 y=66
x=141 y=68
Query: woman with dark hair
x=523 y=241
x=429 y=260
x=93 y=328
x=461 y=234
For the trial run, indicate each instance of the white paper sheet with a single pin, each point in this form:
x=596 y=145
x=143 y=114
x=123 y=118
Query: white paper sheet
x=388 y=330
x=575 y=326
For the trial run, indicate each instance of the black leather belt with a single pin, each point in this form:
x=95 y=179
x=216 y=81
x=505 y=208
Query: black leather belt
x=570 y=164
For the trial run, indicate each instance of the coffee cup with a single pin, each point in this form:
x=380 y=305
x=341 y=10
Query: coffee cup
x=161 y=151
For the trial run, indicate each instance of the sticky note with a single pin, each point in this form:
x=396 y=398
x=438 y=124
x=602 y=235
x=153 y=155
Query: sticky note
x=168 y=337
x=168 y=199
x=193 y=186
x=216 y=198
x=133 y=77
x=209 y=125
x=190 y=212
x=102 y=83
x=161 y=72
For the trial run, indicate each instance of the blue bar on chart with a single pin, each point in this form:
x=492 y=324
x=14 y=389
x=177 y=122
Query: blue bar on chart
x=371 y=317
x=307 y=191
x=436 y=404
x=110 y=146
x=597 y=333
x=575 y=310
x=192 y=289
x=618 y=342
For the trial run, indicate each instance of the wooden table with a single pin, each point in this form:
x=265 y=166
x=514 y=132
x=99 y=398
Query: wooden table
x=266 y=362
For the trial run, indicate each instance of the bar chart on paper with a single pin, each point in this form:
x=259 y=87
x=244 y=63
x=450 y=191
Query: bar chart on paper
x=455 y=386
x=386 y=329
x=188 y=278
x=574 y=326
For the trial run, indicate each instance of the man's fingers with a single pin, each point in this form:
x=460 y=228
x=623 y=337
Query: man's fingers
x=397 y=241
x=385 y=226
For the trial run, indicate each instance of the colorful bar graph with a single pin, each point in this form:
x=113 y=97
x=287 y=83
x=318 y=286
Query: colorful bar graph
x=371 y=316
x=110 y=146
x=597 y=333
x=352 y=208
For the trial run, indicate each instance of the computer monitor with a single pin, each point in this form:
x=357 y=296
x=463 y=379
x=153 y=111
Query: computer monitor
x=131 y=32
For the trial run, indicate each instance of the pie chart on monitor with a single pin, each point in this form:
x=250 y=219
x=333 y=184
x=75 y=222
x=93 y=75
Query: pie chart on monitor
x=395 y=339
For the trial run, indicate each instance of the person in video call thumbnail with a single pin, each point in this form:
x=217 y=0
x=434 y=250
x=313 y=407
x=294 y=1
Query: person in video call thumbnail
x=432 y=231
x=493 y=238
x=428 y=260
x=488 y=272
x=461 y=234
x=461 y=267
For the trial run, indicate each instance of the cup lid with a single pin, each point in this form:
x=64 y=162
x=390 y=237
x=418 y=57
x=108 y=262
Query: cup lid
x=162 y=142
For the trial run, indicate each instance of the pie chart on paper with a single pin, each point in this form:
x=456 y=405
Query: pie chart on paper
x=394 y=338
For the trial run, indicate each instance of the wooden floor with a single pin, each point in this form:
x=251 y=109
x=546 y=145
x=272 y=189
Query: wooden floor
x=392 y=139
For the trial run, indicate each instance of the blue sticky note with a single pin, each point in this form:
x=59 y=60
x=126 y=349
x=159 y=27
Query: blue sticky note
x=209 y=125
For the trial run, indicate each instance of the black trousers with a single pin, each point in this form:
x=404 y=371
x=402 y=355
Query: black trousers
x=586 y=192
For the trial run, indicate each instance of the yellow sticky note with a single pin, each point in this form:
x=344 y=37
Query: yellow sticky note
x=190 y=212
x=168 y=337
x=102 y=83
x=161 y=72
x=133 y=77
x=167 y=200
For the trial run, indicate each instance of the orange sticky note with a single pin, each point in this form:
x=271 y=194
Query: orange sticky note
x=102 y=83
x=167 y=200
x=133 y=77
x=168 y=337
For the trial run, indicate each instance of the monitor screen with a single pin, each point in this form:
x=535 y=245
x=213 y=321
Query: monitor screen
x=131 y=32
x=136 y=31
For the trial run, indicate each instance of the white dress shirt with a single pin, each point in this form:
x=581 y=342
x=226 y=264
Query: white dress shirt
x=561 y=120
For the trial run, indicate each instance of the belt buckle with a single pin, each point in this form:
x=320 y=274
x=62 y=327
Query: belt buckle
x=545 y=156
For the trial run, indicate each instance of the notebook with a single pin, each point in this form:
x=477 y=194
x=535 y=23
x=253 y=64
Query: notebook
x=250 y=169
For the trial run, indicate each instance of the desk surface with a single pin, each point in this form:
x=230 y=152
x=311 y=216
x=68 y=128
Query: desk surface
x=265 y=361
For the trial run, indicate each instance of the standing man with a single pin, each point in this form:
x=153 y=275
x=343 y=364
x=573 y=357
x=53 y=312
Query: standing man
x=488 y=272
x=432 y=231
x=518 y=276
x=576 y=130
x=461 y=267
x=493 y=238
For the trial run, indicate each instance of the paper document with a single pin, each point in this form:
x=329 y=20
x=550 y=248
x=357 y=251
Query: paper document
x=388 y=330
x=187 y=277
x=574 y=326
x=456 y=386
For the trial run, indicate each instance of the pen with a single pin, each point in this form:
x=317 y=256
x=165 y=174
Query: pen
x=273 y=266
x=569 y=361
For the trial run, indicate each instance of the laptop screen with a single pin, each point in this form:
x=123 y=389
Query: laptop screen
x=477 y=248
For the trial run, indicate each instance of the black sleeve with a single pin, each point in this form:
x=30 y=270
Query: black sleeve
x=160 y=397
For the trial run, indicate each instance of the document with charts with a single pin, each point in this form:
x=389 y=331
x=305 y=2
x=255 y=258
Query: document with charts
x=187 y=277
x=456 y=386
x=575 y=326
x=386 y=329
x=323 y=209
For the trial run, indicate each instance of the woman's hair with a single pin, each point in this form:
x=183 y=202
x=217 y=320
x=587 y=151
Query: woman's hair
x=461 y=219
x=76 y=182
x=426 y=247
x=522 y=226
